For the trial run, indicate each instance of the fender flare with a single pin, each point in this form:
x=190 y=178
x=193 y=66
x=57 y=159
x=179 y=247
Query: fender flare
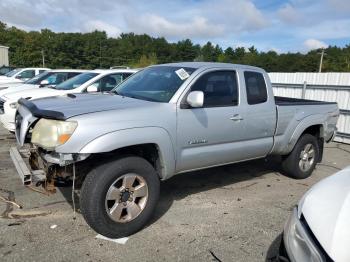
x=137 y=136
x=313 y=120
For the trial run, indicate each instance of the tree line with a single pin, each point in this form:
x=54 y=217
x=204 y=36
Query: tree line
x=97 y=50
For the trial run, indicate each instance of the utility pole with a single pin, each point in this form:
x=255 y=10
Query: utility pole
x=100 y=54
x=43 y=57
x=321 y=61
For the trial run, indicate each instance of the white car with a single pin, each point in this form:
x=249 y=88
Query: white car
x=20 y=75
x=319 y=227
x=47 y=78
x=91 y=81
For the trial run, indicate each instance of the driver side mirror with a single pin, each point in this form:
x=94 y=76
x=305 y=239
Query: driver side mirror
x=91 y=89
x=195 y=99
x=44 y=83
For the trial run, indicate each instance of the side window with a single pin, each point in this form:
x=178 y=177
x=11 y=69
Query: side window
x=220 y=88
x=107 y=83
x=57 y=78
x=72 y=74
x=126 y=75
x=26 y=74
x=42 y=71
x=256 y=88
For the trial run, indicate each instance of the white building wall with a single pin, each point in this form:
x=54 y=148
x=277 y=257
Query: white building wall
x=338 y=79
x=332 y=87
x=4 y=55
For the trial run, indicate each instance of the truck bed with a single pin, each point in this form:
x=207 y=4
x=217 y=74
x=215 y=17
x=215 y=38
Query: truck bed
x=289 y=101
x=292 y=113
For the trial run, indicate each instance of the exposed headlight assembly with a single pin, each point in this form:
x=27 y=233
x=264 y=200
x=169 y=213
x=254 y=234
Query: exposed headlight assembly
x=298 y=243
x=52 y=133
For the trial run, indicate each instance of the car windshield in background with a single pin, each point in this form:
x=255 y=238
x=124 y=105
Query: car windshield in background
x=13 y=72
x=37 y=79
x=76 y=81
x=157 y=83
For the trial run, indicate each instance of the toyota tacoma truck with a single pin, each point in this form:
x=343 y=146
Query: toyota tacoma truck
x=162 y=121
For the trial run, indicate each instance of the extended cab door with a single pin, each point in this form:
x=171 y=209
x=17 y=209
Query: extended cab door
x=260 y=116
x=211 y=135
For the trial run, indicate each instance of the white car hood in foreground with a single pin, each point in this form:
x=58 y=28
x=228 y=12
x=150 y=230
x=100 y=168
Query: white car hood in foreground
x=34 y=93
x=326 y=208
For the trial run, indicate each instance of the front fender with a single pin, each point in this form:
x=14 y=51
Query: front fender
x=136 y=136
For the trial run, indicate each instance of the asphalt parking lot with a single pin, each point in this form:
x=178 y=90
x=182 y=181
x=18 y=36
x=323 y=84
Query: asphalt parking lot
x=231 y=213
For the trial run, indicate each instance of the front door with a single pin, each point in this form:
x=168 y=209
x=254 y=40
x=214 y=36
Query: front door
x=211 y=135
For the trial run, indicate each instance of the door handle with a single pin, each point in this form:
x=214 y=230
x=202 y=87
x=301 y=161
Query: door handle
x=236 y=117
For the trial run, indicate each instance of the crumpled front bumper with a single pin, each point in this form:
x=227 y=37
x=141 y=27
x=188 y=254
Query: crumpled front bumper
x=32 y=170
x=23 y=121
x=39 y=159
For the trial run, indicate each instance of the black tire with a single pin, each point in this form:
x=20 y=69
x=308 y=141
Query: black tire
x=95 y=188
x=290 y=163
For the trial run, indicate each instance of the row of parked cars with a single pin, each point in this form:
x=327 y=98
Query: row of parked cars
x=116 y=140
x=47 y=83
x=5 y=69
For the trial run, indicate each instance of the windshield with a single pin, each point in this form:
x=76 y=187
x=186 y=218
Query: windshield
x=37 y=79
x=158 y=83
x=76 y=81
x=13 y=72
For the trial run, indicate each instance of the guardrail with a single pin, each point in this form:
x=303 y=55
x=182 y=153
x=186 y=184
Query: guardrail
x=329 y=93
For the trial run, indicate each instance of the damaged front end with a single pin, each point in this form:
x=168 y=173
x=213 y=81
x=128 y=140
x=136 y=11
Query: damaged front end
x=35 y=165
x=45 y=169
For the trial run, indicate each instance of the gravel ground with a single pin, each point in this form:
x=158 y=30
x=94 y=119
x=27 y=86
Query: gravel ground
x=230 y=213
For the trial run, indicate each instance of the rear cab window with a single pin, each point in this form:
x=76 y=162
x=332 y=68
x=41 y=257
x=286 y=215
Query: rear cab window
x=255 y=87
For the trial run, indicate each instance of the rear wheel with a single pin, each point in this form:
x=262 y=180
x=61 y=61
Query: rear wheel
x=118 y=198
x=301 y=162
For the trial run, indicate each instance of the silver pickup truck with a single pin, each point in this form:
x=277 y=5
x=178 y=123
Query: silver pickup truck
x=165 y=120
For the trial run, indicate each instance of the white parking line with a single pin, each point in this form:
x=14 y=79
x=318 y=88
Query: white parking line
x=121 y=241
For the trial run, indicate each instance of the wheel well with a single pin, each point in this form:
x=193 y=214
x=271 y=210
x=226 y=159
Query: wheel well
x=314 y=130
x=150 y=152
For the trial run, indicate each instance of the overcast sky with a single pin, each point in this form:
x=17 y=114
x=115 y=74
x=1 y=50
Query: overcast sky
x=295 y=25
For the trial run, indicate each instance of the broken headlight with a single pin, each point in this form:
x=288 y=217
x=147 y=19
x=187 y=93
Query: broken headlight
x=52 y=133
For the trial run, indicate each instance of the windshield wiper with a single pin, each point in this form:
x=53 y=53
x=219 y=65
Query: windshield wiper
x=117 y=93
x=141 y=98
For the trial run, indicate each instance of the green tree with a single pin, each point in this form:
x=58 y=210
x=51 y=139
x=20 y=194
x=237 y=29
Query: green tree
x=146 y=60
x=97 y=50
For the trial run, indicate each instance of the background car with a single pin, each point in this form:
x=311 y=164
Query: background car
x=6 y=69
x=47 y=78
x=91 y=81
x=21 y=75
x=319 y=227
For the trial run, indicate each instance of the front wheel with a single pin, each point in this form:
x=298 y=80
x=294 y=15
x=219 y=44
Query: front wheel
x=302 y=160
x=118 y=198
